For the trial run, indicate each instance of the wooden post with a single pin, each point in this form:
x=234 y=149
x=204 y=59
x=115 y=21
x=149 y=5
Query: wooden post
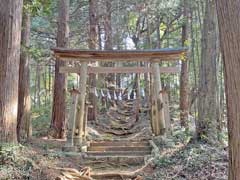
x=71 y=121
x=81 y=103
x=138 y=95
x=159 y=99
x=153 y=110
x=166 y=112
x=87 y=105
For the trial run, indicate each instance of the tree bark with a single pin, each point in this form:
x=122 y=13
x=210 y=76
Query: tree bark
x=93 y=42
x=158 y=23
x=147 y=75
x=229 y=26
x=24 y=99
x=207 y=103
x=184 y=89
x=108 y=45
x=108 y=26
x=60 y=83
x=38 y=84
x=10 y=37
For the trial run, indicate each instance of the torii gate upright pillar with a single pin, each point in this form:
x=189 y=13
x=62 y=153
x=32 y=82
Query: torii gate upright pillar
x=158 y=116
x=78 y=138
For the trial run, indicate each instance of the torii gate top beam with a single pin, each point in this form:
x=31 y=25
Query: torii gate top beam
x=157 y=55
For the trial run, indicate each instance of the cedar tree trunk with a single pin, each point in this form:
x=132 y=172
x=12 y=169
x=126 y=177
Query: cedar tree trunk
x=229 y=26
x=10 y=38
x=24 y=100
x=60 y=83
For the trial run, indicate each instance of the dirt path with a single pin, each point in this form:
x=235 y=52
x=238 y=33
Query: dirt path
x=118 y=147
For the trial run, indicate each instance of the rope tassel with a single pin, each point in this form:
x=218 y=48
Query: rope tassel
x=120 y=96
x=115 y=96
x=102 y=94
x=143 y=93
x=108 y=94
x=96 y=93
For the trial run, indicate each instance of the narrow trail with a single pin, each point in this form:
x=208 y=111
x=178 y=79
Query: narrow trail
x=122 y=122
x=122 y=147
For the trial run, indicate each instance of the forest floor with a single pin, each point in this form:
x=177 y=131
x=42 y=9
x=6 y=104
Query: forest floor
x=38 y=158
x=176 y=157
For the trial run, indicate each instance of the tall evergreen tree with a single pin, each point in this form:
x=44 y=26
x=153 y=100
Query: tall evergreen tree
x=184 y=81
x=229 y=22
x=60 y=84
x=92 y=44
x=207 y=100
x=10 y=37
x=24 y=99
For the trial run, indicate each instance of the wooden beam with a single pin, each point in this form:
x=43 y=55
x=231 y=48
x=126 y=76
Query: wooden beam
x=119 y=70
x=121 y=56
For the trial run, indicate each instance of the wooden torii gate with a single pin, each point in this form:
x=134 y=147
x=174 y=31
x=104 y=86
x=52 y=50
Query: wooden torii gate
x=77 y=126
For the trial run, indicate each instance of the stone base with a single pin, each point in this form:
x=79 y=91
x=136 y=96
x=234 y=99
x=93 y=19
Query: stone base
x=84 y=148
x=69 y=149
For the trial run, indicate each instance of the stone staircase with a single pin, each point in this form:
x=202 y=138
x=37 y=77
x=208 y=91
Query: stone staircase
x=117 y=157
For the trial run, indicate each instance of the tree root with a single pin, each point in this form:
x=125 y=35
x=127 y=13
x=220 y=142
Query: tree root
x=73 y=174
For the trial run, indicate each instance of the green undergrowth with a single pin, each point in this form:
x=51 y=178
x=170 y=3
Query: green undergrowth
x=41 y=120
x=180 y=157
x=26 y=162
x=13 y=164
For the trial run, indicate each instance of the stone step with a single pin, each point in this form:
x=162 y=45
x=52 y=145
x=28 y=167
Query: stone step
x=118 y=153
x=125 y=112
x=116 y=160
x=109 y=177
x=120 y=143
x=119 y=148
